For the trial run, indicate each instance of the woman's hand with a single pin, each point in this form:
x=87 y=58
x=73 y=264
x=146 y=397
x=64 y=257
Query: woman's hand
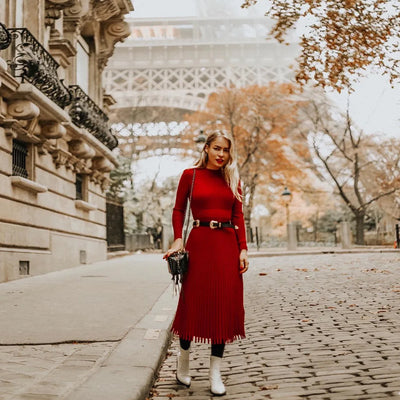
x=244 y=262
x=176 y=246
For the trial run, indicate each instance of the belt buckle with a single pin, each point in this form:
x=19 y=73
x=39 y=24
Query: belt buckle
x=196 y=223
x=214 y=224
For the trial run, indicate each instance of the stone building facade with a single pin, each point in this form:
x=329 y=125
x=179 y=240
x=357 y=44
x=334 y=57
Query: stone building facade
x=55 y=141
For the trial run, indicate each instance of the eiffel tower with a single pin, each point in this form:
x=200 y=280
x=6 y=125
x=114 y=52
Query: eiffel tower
x=175 y=63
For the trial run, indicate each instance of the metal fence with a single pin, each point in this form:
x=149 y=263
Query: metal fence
x=115 y=224
x=19 y=155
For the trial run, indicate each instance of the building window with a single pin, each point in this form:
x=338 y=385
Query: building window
x=19 y=158
x=24 y=268
x=79 y=187
x=82 y=64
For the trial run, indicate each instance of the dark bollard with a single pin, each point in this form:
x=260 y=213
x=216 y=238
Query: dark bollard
x=257 y=239
x=397 y=236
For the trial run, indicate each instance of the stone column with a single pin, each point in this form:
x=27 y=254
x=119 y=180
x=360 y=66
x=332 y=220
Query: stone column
x=345 y=236
x=167 y=237
x=291 y=236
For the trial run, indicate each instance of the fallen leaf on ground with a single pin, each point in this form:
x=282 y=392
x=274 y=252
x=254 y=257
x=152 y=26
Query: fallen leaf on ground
x=381 y=271
x=270 y=387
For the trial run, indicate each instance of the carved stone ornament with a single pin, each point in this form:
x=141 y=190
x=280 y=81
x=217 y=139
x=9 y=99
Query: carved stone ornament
x=73 y=16
x=80 y=167
x=105 y=183
x=60 y=157
x=23 y=109
x=78 y=9
x=26 y=131
x=81 y=149
x=102 y=164
x=112 y=32
x=59 y=4
x=44 y=147
x=98 y=178
x=63 y=157
x=12 y=128
x=5 y=37
x=52 y=130
x=53 y=9
x=103 y=10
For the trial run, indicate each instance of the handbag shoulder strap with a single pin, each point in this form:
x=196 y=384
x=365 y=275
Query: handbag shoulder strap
x=187 y=213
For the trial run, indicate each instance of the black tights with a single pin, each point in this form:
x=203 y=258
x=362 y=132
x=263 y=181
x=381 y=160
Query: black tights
x=217 y=350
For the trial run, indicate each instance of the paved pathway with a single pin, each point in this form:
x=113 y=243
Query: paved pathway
x=47 y=372
x=63 y=335
x=320 y=327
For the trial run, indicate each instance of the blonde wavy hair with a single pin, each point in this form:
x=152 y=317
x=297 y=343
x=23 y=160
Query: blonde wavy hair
x=230 y=171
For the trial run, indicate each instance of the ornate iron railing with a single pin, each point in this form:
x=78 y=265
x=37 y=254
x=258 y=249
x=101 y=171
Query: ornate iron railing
x=5 y=37
x=33 y=63
x=85 y=113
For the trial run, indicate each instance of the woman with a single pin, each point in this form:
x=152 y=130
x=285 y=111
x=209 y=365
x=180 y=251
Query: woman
x=210 y=307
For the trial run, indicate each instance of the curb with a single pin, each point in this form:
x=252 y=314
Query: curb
x=254 y=254
x=129 y=372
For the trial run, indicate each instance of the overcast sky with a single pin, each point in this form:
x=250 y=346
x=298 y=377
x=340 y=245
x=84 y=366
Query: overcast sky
x=374 y=105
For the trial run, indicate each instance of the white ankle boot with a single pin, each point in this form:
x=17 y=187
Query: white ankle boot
x=217 y=387
x=182 y=367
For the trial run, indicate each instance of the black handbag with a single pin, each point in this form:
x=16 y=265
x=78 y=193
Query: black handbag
x=178 y=262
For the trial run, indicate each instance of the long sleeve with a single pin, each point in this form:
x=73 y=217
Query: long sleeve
x=182 y=194
x=238 y=220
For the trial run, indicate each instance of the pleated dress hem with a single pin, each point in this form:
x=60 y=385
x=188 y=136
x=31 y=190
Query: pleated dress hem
x=208 y=340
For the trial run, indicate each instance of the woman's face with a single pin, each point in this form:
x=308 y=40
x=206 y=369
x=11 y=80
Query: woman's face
x=218 y=153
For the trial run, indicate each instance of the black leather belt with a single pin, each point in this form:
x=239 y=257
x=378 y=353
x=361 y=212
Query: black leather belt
x=214 y=224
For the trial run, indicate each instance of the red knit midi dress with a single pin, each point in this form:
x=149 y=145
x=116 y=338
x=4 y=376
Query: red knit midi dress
x=210 y=307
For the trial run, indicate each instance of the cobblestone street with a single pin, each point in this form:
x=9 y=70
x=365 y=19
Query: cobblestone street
x=319 y=327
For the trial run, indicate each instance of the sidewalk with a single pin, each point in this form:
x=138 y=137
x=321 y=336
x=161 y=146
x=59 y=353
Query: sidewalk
x=100 y=331
x=282 y=251
x=96 y=331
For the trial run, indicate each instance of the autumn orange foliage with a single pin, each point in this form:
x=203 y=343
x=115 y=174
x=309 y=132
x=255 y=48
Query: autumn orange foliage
x=341 y=39
x=261 y=121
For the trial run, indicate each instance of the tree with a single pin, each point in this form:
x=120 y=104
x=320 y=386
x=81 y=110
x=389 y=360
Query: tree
x=349 y=159
x=341 y=38
x=385 y=171
x=121 y=178
x=260 y=120
x=141 y=134
x=148 y=204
